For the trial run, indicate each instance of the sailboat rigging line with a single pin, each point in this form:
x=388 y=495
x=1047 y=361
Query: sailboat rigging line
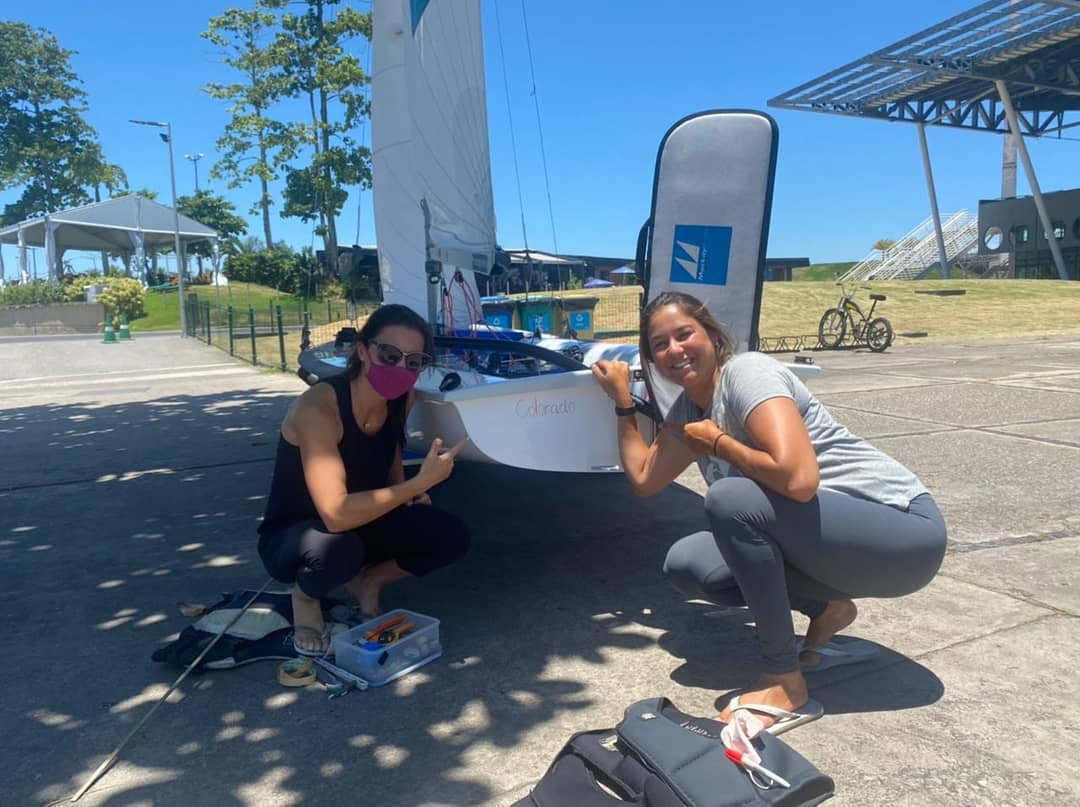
x=472 y=305
x=539 y=128
x=510 y=115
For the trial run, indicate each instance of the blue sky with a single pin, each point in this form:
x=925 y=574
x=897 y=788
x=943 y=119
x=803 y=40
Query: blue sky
x=612 y=76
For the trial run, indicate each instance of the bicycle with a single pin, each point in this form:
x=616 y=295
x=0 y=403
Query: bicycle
x=875 y=332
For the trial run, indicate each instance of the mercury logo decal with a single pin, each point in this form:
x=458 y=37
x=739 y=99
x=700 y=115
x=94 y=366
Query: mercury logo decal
x=700 y=254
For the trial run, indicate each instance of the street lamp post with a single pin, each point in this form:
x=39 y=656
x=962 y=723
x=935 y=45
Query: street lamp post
x=167 y=137
x=195 y=161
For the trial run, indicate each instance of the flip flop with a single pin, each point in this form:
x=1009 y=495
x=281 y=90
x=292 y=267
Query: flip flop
x=836 y=654
x=310 y=634
x=784 y=720
x=323 y=637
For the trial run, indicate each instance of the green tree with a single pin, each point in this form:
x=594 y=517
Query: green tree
x=46 y=146
x=883 y=245
x=216 y=212
x=311 y=51
x=145 y=193
x=244 y=246
x=242 y=35
x=102 y=174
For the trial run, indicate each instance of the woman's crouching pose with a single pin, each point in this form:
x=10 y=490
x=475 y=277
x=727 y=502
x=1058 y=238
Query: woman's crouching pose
x=803 y=514
x=340 y=512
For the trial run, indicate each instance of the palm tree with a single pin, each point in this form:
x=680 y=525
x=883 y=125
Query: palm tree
x=883 y=245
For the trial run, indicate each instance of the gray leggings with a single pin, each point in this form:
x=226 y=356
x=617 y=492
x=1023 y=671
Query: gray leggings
x=774 y=555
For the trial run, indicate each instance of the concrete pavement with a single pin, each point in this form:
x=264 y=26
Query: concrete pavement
x=134 y=474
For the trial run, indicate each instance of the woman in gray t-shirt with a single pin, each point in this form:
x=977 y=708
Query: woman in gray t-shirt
x=804 y=515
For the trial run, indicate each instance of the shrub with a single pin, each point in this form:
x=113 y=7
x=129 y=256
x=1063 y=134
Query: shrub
x=75 y=291
x=37 y=291
x=275 y=267
x=123 y=295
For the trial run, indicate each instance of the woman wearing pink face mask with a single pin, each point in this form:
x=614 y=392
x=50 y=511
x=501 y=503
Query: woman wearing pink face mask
x=340 y=512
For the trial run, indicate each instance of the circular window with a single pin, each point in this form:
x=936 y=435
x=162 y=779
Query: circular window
x=993 y=237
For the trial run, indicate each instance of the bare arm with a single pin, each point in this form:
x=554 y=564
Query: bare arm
x=397 y=469
x=784 y=463
x=315 y=423
x=649 y=468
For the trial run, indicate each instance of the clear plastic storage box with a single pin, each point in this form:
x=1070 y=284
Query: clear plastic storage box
x=380 y=664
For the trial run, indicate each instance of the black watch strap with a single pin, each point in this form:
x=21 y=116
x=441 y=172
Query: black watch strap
x=624 y=411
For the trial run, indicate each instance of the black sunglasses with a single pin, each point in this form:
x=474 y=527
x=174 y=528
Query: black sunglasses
x=392 y=356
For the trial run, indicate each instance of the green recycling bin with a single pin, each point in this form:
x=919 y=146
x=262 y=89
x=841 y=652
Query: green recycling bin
x=577 y=319
x=539 y=313
x=500 y=312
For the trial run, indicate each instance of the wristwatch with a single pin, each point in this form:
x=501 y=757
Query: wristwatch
x=625 y=411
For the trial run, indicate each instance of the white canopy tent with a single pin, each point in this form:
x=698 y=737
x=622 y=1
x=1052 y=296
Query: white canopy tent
x=127 y=224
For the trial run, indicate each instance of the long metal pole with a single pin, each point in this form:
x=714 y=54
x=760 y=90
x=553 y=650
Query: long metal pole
x=176 y=235
x=104 y=766
x=942 y=256
x=1029 y=169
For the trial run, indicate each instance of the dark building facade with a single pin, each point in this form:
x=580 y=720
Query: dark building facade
x=781 y=268
x=1013 y=226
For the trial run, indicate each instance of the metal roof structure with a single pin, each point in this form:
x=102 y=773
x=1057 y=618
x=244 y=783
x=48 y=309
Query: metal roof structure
x=1005 y=66
x=945 y=75
x=126 y=224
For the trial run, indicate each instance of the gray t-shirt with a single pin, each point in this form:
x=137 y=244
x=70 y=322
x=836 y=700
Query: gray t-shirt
x=847 y=463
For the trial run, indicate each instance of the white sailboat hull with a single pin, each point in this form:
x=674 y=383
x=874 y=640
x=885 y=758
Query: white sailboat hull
x=559 y=422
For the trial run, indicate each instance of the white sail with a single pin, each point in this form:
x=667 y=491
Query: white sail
x=430 y=144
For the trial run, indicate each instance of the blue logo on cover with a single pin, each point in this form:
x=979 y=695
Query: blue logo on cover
x=417 y=7
x=700 y=254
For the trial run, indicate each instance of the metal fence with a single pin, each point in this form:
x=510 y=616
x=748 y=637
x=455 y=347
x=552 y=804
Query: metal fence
x=272 y=334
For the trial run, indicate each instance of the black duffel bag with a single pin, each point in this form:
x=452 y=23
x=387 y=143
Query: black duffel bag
x=660 y=757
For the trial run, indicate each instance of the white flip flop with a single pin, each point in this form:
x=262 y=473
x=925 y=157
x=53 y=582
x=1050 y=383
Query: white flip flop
x=836 y=654
x=784 y=720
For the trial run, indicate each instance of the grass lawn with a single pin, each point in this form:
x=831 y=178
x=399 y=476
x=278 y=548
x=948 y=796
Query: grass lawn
x=820 y=271
x=987 y=309
x=162 y=313
x=163 y=310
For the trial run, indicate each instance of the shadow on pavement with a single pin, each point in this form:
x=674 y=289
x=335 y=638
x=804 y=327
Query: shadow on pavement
x=157 y=502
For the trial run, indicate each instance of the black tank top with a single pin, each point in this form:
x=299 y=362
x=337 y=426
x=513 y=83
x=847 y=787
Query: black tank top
x=367 y=460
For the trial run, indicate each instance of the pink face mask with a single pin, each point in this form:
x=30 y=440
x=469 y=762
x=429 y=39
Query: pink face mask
x=390 y=382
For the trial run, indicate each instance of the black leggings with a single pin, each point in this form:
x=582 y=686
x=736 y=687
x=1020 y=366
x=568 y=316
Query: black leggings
x=776 y=555
x=420 y=538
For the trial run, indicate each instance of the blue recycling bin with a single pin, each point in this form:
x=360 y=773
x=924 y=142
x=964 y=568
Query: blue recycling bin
x=500 y=312
x=577 y=316
x=539 y=313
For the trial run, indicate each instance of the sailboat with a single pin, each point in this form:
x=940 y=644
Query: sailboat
x=528 y=399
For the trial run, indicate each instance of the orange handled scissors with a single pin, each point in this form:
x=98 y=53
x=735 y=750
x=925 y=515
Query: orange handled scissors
x=387 y=624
